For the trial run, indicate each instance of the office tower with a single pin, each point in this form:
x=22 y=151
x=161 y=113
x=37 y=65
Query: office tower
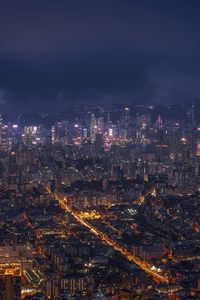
x=190 y=121
x=93 y=127
x=85 y=133
x=100 y=125
x=185 y=150
x=159 y=122
x=198 y=147
x=143 y=121
x=197 y=140
x=126 y=118
x=33 y=135
x=4 y=139
x=53 y=134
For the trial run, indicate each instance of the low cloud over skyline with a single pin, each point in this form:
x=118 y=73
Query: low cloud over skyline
x=54 y=53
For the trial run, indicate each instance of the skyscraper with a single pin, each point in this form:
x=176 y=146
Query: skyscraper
x=93 y=127
x=4 y=140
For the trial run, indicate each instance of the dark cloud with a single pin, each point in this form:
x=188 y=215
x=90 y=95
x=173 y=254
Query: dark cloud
x=3 y=97
x=53 y=53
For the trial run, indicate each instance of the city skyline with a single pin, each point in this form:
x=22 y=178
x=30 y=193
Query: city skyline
x=101 y=203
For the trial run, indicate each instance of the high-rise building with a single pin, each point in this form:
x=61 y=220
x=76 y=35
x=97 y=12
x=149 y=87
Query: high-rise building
x=100 y=125
x=185 y=150
x=190 y=121
x=93 y=127
x=53 y=134
x=159 y=122
x=198 y=147
x=10 y=287
x=126 y=118
x=4 y=139
x=198 y=141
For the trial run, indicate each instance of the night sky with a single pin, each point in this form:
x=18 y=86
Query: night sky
x=55 y=53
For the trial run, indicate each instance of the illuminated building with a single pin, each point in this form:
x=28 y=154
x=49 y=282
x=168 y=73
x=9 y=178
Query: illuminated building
x=198 y=148
x=126 y=118
x=85 y=133
x=53 y=134
x=32 y=135
x=185 y=150
x=100 y=125
x=93 y=127
x=143 y=120
x=4 y=139
x=159 y=122
x=190 y=121
x=198 y=142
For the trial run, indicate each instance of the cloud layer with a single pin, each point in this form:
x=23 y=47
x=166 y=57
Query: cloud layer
x=53 y=53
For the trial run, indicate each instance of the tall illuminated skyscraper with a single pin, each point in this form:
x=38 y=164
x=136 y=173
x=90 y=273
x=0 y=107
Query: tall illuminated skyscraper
x=53 y=134
x=4 y=140
x=93 y=128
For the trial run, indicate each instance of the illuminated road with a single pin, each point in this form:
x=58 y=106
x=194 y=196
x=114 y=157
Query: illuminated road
x=147 y=267
x=40 y=246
